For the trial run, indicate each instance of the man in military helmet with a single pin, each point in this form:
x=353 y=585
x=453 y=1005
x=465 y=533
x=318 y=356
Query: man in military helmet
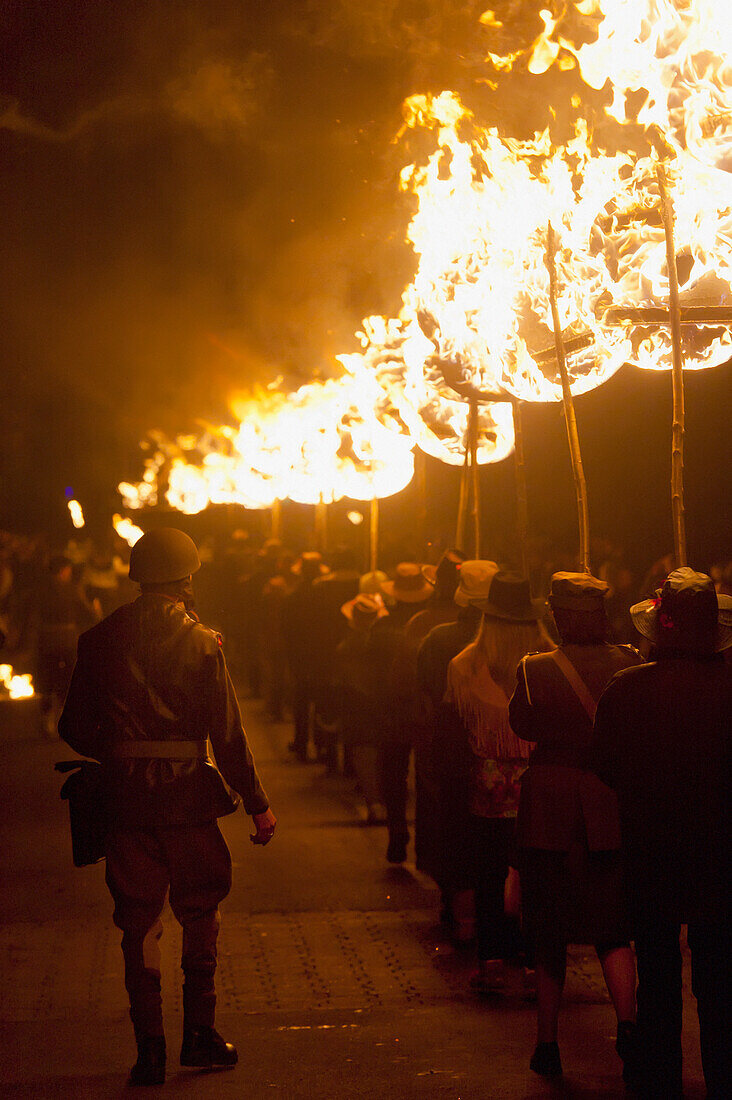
x=150 y=689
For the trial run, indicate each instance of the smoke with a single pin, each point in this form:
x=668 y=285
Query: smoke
x=220 y=97
x=196 y=198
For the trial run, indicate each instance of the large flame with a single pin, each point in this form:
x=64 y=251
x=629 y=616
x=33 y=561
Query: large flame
x=476 y=317
x=485 y=200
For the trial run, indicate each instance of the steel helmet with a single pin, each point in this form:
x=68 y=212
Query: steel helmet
x=165 y=554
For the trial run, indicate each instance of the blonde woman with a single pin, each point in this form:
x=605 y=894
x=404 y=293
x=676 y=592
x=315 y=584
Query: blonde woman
x=480 y=682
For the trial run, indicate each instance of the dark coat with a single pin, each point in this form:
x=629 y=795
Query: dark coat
x=662 y=740
x=150 y=672
x=561 y=801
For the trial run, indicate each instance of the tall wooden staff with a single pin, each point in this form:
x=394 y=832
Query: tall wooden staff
x=522 y=500
x=276 y=520
x=473 y=428
x=374 y=535
x=463 y=499
x=321 y=526
x=677 y=432
x=578 y=472
x=469 y=504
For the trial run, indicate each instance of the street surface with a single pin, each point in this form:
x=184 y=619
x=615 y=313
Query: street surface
x=335 y=980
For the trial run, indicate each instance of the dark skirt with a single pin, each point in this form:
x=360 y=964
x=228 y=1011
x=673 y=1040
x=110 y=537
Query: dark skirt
x=573 y=897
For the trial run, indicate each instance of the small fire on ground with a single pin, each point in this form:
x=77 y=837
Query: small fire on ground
x=15 y=685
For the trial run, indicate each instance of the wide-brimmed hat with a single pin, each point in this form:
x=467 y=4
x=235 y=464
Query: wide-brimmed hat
x=577 y=592
x=409 y=584
x=363 y=610
x=683 y=611
x=475 y=581
x=510 y=598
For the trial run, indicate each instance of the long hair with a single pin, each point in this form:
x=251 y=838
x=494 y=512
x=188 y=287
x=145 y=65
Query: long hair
x=501 y=644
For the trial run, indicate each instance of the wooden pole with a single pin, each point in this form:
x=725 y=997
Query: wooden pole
x=677 y=430
x=463 y=500
x=276 y=516
x=321 y=526
x=474 y=472
x=374 y=536
x=420 y=478
x=569 y=415
x=522 y=502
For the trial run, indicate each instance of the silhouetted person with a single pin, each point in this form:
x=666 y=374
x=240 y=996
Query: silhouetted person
x=662 y=741
x=149 y=687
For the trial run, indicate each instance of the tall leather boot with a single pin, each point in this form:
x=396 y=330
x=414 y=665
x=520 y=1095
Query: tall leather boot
x=149 y=1069
x=204 y=1047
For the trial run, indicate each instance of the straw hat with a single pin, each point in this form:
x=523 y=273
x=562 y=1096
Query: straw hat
x=683 y=610
x=577 y=592
x=510 y=598
x=363 y=610
x=475 y=581
x=409 y=584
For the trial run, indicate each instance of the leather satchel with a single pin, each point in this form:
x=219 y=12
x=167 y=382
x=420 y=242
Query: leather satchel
x=86 y=793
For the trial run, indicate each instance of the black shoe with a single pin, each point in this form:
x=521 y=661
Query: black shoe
x=204 y=1047
x=149 y=1069
x=627 y=1047
x=397 y=849
x=546 y=1061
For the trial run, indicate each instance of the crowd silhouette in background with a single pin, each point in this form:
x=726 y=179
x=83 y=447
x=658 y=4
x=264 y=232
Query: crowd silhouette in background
x=570 y=759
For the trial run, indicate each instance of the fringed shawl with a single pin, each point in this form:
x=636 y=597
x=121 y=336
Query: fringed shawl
x=483 y=707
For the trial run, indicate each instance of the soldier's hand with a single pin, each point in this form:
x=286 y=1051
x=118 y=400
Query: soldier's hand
x=265 y=825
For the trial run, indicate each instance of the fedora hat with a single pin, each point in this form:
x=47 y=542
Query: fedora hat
x=577 y=592
x=684 y=610
x=363 y=610
x=475 y=581
x=409 y=584
x=510 y=598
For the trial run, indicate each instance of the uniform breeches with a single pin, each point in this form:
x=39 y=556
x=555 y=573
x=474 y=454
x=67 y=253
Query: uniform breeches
x=193 y=864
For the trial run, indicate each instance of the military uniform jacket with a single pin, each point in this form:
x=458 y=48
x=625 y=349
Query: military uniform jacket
x=150 y=672
x=562 y=802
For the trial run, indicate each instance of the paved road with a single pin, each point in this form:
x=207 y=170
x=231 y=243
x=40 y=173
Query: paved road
x=334 y=980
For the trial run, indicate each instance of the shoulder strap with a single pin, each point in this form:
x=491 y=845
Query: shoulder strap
x=576 y=682
x=526 y=679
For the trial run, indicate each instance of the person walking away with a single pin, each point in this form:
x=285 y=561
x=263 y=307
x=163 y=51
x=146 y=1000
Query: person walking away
x=359 y=703
x=337 y=585
x=479 y=683
x=567 y=829
x=301 y=647
x=662 y=741
x=446 y=766
x=403 y=594
x=149 y=686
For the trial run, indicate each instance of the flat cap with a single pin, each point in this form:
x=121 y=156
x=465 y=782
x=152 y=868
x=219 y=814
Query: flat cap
x=577 y=592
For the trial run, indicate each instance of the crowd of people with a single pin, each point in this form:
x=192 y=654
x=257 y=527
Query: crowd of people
x=569 y=787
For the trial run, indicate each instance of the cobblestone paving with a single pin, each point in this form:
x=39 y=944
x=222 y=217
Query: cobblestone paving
x=272 y=962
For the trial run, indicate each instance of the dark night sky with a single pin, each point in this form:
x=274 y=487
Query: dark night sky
x=198 y=195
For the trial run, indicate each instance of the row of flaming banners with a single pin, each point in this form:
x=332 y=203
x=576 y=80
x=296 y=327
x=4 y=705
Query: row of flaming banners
x=482 y=311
